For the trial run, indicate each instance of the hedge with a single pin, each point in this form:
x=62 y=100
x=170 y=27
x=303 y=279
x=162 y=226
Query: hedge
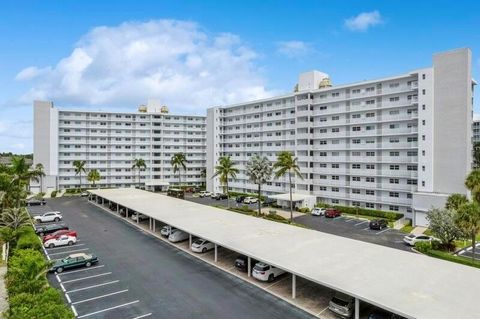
x=427 y=249
x=392 y=216
x=53 y=194
x=27 y=239
x=236 y=194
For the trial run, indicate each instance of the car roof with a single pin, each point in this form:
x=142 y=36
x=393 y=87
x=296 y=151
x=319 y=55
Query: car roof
x=262 y=264
x=79 y=255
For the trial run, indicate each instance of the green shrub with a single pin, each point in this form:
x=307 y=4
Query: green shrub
x=304 y=210
x=365 y=212
x=26 y=272
x=236 y=194
x=272 y=212
x=39 y=195
x=28 y=241
x=423 y=246
x=53 y=194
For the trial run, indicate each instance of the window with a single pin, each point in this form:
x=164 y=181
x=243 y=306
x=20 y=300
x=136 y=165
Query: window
x=371 y=114
x=356 y=116
x=423 y=183
x=370 y=102
x=356 y=178
x=370 y=205
x=394 y=181
x=394 y=167
x=394 y=99
x=370 y=166
x=370 y=89
x=395 y=112
x=394 y=208
x=335 y=130
x=423 y=92
x=423 y=76
x=370 y=153
x=355 y=191
x=356 y=141
x=423 y=122
x=369 y=192
x=355 y=91
x=370 y=179
x=423 y=107
x=356 y=166
x=335 y=177
x=414 y=153
x=335 y=189
x=394 y=194
x=335 y=165
x=356 y=128
x=335 y=94
x=356 y=153
x=394 y=85
x=411 y=167
x=394 y=153
x=411 y=181
x=394 y=140
x=335 y=118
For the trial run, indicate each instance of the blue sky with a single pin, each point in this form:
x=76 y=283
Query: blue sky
x=194 y=54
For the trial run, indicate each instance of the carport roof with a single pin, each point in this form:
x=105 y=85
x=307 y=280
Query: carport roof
x=295 y=197
x=408 y=284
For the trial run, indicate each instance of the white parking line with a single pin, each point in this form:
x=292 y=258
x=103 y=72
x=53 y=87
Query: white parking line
x=350 y=220
x=68 y=298
x=99 y=297
x=94 y=286
x=365 y=221
x=143 y=316
x=75 y=271
x=70 y=251
x=278 y=281
x=74 y=311
x=63 y=247
x=321 y=312
x=386 y=229
x=88 y=277
x=366 y=228
x=108 y=309
x=45 y=251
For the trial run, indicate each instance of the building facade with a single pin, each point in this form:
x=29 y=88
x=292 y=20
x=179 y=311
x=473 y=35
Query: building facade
x=110 y=142
x=401 y=143
x=476 y=128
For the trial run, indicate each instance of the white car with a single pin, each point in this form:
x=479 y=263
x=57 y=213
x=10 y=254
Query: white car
x=250 y=200
x=201 y=246
x=167 y=230
x=205 y=194
x=342 y=305
x=63 y=240
x=177 y=236
x=139 y=217
x=265 y=272
x=317 y=211
x=412 y=239
x=48 y=217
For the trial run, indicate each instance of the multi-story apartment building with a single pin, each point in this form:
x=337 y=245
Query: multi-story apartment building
x=476 y=128
x=109 y=142
x=400 y=143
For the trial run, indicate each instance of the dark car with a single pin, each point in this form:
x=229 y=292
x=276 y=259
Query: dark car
x=48 y=229
x=269 y=201
x=36 y=202
x=241 y=263
x=383 y=314
x=219 y=196
x=378 y=224
x=240 y=199
x=74 y=261
x=332 y=213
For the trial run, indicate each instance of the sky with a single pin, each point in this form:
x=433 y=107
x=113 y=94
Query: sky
x=191 y=55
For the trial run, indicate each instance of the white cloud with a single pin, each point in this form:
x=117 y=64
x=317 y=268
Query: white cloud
x=174 y=61
x=293 y=48
x=363 y=21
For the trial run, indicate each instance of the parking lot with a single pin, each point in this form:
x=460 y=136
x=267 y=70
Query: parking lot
x=158 y=280
x=214 y=202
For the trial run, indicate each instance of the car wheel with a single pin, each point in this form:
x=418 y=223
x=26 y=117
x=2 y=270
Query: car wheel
x=270 y=278
x=88 y=264
x=204 y=250
x=70 y=243
x=56 y=219
x=51 y=245
x=60 y=269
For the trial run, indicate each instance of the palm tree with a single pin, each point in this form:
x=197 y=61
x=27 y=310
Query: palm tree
x=286 y=163
x=203 y=176
x=468 y=220
x=15 y=218
x=224 y=170
x=79 y=169
x=178 y=161
x=456 y=200
x=139 y=163
x=21 y=175
x=259 y=170
x=94 y=176
x=472 y=182
x=37 y=175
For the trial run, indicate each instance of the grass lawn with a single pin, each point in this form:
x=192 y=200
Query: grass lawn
x=407 y=229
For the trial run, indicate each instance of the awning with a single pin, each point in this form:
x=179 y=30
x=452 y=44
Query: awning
x=295 y=197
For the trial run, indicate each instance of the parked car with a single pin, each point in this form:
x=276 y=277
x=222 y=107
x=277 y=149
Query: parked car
x=62 y=240
x=48 y=217
x=264 y=272
x=332 y=213
x=317 y=211
x=204 y=194
x=342 y=305
x=84 y=194
x=412 y=239
x=240 y=199
x=139 y=217
x=36 y=202
x=378 y=224
x=269 y=201
x=48 y=229
x=166 y=230
x=250 y=200
x=59 y=233
x=241 y=263
x=74 y=261
x=177 y=236
x=201 y=245
x=219 y=196
x=378 y=313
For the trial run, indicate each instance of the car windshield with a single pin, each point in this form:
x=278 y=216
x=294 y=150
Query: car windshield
x=198 y=242
x=339 y=302
x=411 y=236
x=261 y=267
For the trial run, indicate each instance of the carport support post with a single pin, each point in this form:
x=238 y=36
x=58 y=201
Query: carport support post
x=294 y=286
x=150 y=223
x=126 y=212
x=357 y=308
x=153 y=227
x=118 y=209
x=249 y=266
x=216 y=252
x=190 y=240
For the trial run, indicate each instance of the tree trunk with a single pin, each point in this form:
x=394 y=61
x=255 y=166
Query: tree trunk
x=291 y=203
x=226 y=192
x=473 y=246
x=259 y=204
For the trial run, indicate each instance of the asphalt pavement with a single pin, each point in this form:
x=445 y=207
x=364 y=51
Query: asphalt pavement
x=139 y=276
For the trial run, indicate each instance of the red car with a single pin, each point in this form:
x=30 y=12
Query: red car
x=59 y=233
x=332 y=213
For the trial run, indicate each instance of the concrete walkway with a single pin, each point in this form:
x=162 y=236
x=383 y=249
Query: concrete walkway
x=3 y=290
x=281 y=212
x=418 y=230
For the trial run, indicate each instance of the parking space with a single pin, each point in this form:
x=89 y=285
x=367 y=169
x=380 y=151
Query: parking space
x=213 y=202
x=468 y=252
x=354 y=228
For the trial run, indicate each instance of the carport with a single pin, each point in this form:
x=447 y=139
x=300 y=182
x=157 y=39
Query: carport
x=298 y=200
x=411 y=285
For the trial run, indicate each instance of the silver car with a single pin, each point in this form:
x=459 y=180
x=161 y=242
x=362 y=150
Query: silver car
x=342 y=305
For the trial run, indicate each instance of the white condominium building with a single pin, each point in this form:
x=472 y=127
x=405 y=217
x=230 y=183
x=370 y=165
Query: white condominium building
x=401 y=143
x=476 y=128
x=109 y=142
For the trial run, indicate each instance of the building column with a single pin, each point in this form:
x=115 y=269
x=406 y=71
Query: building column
x=189 y=240
x=357 y=308
x=294 y=286
x=154 y=228
x=249 y=266
x=118 y=208
x=150 y=223
x=126 y=213
x=216 y=252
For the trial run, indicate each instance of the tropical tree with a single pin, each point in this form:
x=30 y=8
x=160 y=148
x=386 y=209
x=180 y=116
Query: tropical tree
x=224 y=170
x=455 y=200
x=38 y=174
x=178 y=161
x=14 y=218
x=21 y=174
x=476 y=154
x=203 y=176
x=259 y=170
x=443 y=226
x=79 y=169
x=472 y=182
x=94 y=176
x=287 y=164
x=468 y=220
x=139 y=164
